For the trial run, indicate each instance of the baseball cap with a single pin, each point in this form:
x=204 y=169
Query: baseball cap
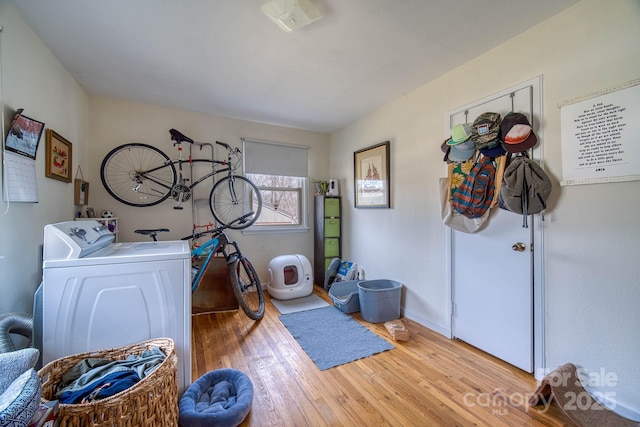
x=460 y=133
x=445 y=149
x=462 y=152
x=493 y=152
x=516 y=133
x=486 y=129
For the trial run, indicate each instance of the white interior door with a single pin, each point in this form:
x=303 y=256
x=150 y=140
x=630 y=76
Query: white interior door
x=492 y=289
x=492 y=271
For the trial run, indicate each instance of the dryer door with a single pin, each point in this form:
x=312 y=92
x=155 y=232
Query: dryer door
x=97 y=307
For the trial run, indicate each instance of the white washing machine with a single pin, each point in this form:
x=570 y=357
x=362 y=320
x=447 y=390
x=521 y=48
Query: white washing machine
x=97 y=294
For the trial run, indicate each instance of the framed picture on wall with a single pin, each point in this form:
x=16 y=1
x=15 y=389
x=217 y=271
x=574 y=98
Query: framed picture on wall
x=372 y=176
x=58 y=159
x=24 y=135
x=80 y=192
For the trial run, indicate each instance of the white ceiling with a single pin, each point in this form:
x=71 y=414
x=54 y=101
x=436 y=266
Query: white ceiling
x=225 y=57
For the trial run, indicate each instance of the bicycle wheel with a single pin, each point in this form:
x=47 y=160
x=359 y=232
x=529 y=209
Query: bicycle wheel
x=138 y=174
x=247 y=288
x=233 y=197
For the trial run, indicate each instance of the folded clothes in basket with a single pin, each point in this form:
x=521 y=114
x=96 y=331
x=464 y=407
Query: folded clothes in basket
x=104 y=387
x=95 y=378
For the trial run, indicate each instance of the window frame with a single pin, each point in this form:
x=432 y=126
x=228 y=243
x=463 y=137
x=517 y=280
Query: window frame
x=303 y=226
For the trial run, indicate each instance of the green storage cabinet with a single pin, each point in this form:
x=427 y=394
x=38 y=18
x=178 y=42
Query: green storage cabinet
x=332 y=248
x=332 y=207
x=327 y=235
x=332 y=227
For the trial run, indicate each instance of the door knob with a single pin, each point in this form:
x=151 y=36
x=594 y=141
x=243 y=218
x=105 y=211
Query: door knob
x=519 y=247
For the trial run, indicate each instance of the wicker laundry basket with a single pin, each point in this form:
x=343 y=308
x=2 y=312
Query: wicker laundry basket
x=151 y=402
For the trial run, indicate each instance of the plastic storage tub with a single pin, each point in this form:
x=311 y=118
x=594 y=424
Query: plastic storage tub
x=379 y=300
x=345 y=296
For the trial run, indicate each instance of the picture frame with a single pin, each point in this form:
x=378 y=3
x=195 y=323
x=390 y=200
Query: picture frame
x=80 y=192
x=58 y=160
x=24 y=135
x=371 y=176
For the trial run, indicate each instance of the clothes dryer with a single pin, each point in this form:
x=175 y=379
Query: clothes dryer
x=97 y=294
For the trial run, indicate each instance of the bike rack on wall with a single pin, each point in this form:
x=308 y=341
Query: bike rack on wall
x=201 y=145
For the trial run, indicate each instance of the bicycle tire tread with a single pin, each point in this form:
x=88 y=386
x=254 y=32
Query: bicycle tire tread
x=240 y=294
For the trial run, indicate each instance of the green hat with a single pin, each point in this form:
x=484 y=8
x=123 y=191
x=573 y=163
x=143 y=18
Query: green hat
x=460 y=133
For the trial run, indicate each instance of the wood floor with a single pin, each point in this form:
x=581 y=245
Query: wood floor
x=427 y=381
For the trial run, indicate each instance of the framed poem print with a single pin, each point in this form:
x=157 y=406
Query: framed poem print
x=58 y=159
x=371 y=176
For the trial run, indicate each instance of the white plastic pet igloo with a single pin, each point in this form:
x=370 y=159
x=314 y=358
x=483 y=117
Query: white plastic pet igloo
x=290 y=277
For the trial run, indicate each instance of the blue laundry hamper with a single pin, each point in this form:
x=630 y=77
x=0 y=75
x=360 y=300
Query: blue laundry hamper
x=379 y=300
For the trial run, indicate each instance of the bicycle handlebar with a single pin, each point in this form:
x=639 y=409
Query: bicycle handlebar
x=231 y=151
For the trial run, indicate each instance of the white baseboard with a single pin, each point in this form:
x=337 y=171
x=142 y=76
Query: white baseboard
x=442 y=330
x=615 y=406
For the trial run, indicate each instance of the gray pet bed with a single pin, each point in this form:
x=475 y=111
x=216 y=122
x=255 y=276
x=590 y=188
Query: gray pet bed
x=218 y=398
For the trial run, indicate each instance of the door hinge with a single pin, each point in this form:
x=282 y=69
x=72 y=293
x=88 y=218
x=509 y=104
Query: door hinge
x=453 y=309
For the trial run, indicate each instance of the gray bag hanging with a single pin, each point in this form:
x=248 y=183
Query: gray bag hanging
x=525 y=188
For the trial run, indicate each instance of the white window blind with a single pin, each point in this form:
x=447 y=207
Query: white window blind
x=271 y=158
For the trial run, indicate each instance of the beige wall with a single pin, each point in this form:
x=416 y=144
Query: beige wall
x=591 y=267
x=116 y=122
x=33 y=79
x=38 y=83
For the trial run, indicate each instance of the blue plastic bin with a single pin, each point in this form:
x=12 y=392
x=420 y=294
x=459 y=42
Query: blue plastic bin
x=379 y=300
x=345 y=296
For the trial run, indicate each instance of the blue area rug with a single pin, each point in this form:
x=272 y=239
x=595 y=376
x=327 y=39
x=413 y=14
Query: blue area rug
x=332 y=338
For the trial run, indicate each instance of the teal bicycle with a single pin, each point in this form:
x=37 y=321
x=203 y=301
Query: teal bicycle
x=244 y=280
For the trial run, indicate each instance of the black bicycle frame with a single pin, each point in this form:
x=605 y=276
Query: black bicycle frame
x=180 y=176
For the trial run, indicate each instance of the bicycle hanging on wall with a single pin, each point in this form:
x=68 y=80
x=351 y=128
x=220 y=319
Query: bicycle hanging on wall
x=142 y=175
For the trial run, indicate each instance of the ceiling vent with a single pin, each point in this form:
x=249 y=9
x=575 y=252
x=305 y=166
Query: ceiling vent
x=291 y=14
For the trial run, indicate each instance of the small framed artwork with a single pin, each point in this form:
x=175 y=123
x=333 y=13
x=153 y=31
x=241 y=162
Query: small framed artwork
x=58 y=160
x=24 y=135
x=371 y=176
x=80 y=189
x=80 y=192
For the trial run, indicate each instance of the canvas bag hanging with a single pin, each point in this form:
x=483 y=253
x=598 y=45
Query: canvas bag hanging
x=500 y=164
x=525 y=187
x=453 y=219
x=474 y=197
x=457 y=172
